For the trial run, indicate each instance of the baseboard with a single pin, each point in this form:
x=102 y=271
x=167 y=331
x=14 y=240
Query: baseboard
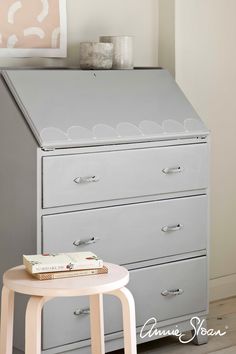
x=223 y=287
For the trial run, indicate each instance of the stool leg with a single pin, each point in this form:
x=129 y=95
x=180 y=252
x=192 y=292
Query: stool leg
x=7 y=320
x=129 y=322
x=33 y=325
x=97 y=324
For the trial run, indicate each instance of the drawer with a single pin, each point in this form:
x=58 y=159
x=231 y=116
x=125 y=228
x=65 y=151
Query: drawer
x=106 y=176
x=131 y=233
x=149 y=284
x=61 y=326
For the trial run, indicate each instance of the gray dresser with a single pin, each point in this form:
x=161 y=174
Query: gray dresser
x=115 y=162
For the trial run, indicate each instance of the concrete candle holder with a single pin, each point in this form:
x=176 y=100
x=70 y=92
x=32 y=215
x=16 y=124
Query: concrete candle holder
x=123 y=51
x=96 y=55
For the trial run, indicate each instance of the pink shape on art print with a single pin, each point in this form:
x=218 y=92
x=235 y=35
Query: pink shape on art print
x=30 y=24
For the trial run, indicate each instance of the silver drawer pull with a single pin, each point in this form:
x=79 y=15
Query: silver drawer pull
x=172 y=228
x=170 y=170
x=80 y=312
x=87 y=179
x=78 y=243
x=173 y=292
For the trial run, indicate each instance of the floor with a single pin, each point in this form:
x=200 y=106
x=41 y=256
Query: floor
x=222 y=316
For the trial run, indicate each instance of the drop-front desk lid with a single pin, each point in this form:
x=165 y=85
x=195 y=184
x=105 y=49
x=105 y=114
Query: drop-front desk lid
x=70 y=108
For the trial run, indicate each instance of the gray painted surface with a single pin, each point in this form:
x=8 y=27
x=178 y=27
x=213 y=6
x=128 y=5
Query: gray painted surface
x=18 y=188
x=120 y=175
x=147 y=283
x=135 y=228
x=74 y=108
x=115 y=341
x=16 y=351
x=21 y=200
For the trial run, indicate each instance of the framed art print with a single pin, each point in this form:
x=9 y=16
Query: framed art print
x=33 y=28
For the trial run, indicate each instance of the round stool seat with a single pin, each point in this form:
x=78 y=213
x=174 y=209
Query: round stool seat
x=20 y=281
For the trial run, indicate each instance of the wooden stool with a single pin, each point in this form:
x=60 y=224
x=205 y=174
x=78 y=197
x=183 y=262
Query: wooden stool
x=113 y=283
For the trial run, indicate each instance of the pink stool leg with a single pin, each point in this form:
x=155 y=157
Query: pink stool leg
x=97 y=324
x=129 y=322
x=33 y=324
x=7 y=319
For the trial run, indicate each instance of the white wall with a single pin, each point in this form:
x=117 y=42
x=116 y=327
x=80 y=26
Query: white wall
x=87 y=19
x=206 y=71
x=166 y=49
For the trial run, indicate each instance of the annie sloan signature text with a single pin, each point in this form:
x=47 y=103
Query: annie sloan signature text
x=197 y=329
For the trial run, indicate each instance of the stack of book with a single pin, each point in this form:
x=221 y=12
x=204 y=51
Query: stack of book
x=63 y=265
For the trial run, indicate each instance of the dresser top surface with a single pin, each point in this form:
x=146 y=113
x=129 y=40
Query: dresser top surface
x=70 y=108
